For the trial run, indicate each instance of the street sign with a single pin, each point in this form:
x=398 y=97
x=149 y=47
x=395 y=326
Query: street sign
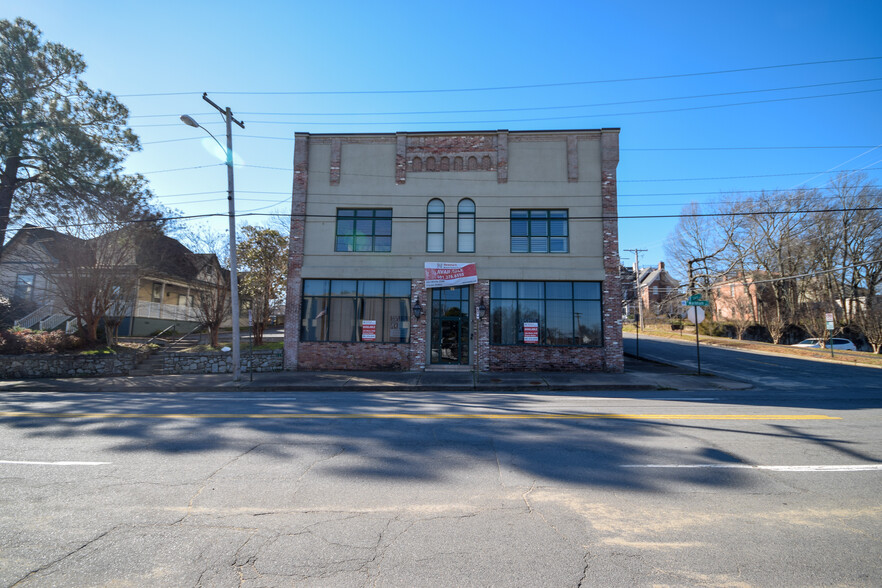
x=829 y=325
x=694 y=297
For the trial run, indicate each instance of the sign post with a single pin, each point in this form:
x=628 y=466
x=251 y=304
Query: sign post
x=828 y=317
x=695 y=314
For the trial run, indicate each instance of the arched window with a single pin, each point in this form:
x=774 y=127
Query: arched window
x=457 y=163
x=417 y=164
x=430 y=164
x=445 y=164
x=473 y=163
x=465 y=226
x=435 y=226
x=486 y=163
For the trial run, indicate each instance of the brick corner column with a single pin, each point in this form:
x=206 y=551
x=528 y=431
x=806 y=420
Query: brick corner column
x=614 y=359
x=400 y=158
x=482 y=293
x=418 y=328
x=502 y=157
x=336 y=156
x=295 y=250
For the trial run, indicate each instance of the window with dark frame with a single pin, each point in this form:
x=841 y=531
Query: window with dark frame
x=568 y=313
x=435 y=226
x=465 y=226
x=540 y=231
x=364 y=230
x=335 y=310
x=24 y=287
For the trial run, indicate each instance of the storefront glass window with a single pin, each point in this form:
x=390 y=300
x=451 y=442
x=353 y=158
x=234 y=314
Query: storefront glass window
x=567 y=313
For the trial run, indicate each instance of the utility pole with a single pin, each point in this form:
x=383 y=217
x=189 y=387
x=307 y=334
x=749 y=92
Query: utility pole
x=639 y=320
x=234 y=274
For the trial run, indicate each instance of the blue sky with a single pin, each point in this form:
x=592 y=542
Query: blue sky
x=160 y=56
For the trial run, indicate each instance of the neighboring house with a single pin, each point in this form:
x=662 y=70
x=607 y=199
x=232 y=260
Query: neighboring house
x=168 y=276
x=629 y=292
x=476 y=251
x=659 y=291
x=740 y=297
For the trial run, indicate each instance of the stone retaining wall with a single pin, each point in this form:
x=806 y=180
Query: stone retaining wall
x=66 y=366
x=219 y=362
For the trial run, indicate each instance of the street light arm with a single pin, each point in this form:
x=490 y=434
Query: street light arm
x=190 y=122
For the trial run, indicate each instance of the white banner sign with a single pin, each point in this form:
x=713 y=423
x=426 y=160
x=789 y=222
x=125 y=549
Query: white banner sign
x=443 y=275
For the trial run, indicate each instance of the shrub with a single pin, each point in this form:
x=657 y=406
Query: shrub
x=712 y=329
x=20 y=341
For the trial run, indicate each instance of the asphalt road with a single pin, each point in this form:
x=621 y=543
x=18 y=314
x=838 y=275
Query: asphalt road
x=703 y=488
x=766 y=371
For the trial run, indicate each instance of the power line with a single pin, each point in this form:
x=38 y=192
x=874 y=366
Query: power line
x=533 y=119
x=511 y=87
x=531 y=108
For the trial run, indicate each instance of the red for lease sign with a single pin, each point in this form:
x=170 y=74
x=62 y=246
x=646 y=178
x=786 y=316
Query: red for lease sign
x=443 y=275
x=368 y=330
x=531 y=332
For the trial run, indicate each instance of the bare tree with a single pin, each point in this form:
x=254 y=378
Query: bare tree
x=212 y=305
x=869 y=321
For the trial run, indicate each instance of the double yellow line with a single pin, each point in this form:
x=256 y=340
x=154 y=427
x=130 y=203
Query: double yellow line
x=417 y=416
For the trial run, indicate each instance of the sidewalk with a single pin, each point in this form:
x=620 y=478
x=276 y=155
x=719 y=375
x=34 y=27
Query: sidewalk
x=639 y=375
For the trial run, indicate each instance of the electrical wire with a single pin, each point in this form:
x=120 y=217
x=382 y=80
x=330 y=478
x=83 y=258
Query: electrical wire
x=510 y=87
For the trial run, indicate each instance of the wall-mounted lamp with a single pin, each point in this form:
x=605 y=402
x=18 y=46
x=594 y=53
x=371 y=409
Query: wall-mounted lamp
x=482 y=308
x=417 y=309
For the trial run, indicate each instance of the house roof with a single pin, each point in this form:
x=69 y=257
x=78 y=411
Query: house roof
x=157 y=254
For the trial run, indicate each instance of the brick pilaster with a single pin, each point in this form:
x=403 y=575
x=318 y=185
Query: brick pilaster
x=612 y=288
x=502 y=157
x=295 y=249
x=418 y=326
x=336 y=155
x=482 y=341
x=400 y=158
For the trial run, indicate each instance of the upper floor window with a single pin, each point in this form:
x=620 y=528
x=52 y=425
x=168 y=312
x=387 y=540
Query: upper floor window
x=24 y=287
x=465 y=226
x=364 y=229
x=539 y=231
x=435 y=226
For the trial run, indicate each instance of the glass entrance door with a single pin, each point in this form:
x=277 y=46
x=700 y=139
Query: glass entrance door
x=450 y=325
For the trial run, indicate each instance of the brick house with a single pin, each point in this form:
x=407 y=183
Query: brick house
x=659 y=291
x=476 y=251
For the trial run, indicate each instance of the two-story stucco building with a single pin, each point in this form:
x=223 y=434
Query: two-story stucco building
x=489 y=250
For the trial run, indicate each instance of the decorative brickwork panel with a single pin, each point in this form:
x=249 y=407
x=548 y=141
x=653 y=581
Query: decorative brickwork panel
x=467 y=152
x=572 y=158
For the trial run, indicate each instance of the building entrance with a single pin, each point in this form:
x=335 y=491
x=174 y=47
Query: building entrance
x=450 y=325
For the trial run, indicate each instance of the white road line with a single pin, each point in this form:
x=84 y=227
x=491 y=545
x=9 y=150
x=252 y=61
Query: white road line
x=802 y=468
x=56 y=463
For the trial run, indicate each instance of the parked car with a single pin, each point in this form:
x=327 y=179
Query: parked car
x=843 y=344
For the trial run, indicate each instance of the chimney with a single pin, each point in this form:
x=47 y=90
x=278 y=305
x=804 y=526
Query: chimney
x=661 y=266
